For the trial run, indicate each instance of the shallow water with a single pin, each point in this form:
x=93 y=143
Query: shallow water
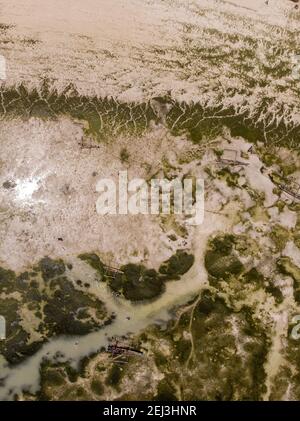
x=25 y=376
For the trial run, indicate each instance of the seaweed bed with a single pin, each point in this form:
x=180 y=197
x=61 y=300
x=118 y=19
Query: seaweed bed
x=43 y=303
x=107 y=116
x=136 y=282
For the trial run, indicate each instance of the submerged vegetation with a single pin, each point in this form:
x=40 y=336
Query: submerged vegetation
x=135 y=282
x=227 y=272
x=287 y=267
x=107 y=117
x=220 y=261
x=198 y=356
x=43 y=303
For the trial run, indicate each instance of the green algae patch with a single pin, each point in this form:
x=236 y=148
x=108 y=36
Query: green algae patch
x=280 y=236
x=141 y=283
x=276 y=178
x=213 y=330
x=124 y=155
x=182 y=350
x=275 y=292
x=177 y=265
x=62 y=311
x=258 y=213
x=106 y=117
x=136 y=282
x=94 y=261
x=41 y=109
x=60 y=377
x=231 y=178
x=221 y=267
x=270 y=158
x=287 y=267
x=297 y=239
x=209 y=352
x=47 y=298
x=286 y=382
x=297 y=230
x=51 y=268
x=222 y=264
x=97 y=387
x=52 y=378
x=214 y=352
x=254 y=276
x=160 y=360
x=16 y=337
x=280 y=204
x=165 y=391
x=220 y=261
x=7 y=278
x=114 y=376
